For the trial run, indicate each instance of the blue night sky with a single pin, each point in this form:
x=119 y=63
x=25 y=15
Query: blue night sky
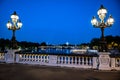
x=57 y=21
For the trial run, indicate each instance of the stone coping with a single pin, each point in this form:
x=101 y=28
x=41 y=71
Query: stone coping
x=61 y=54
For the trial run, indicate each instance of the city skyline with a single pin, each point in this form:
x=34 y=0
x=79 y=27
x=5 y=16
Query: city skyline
x=57 y=21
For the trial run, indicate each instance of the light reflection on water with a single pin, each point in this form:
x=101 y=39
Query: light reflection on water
x=55 y=51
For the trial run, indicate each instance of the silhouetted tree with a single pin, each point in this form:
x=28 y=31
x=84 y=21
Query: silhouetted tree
x=43 y=44
x=113 y=41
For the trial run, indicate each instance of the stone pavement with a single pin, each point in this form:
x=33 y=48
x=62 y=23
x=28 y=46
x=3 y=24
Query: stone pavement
x=36 y=72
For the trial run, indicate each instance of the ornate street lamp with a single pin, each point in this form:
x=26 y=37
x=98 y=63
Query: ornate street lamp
x=15 y=25
x=102 y=25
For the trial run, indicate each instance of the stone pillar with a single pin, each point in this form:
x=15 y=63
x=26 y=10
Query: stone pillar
x=17 y=58
x=10 y=56
x=53 y=60
x=94 y=62
x=104 y=61
x=112 y=63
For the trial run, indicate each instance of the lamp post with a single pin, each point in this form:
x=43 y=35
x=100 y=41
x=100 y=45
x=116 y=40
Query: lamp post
x=14 y=25
x=102 y=25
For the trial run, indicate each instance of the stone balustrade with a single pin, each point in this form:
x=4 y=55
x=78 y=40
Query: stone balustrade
x=115 y=61
x=81 y=61
x=32 y=58
x=102 y=61
x=75 y=61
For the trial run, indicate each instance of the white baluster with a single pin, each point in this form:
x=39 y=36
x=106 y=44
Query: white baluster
x=71 y=59
x=35 y=58
x=28 y=58
x=82 y=60
x=61 y=59
x=38 y=58
x=47 y=58
x=32 y=58
x=25 y=58
x=86 y=60
x=43 y=58
x=90 y=61
x=68 y=59
x=79 y=61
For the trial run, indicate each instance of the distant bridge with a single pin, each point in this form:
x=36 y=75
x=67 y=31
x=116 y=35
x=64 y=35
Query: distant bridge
x=58 y=47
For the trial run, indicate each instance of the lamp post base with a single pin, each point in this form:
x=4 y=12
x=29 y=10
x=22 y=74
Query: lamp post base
x=104 y=61
x=10 y=56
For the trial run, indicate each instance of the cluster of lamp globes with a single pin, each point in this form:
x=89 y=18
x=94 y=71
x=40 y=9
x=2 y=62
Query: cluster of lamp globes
x=102 y=14
x=15 y=24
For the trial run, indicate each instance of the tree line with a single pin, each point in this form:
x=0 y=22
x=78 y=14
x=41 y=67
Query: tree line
x=113 y=42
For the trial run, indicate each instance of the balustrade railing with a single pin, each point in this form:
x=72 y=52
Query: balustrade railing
x=78 y=61
x=83 y=61
x=68 y=60
x=32 y=58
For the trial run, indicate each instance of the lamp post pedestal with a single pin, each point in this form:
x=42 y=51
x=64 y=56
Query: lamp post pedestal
x=104 y=61
x=10 y=56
